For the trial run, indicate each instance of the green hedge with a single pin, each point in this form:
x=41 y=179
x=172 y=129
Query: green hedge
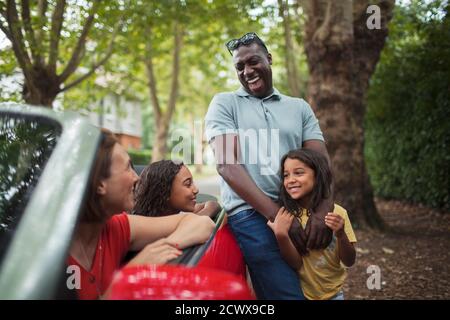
x=408 y=118
x=140 y=157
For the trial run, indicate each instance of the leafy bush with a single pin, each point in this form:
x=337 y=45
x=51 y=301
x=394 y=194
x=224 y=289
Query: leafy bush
x=140 y=157
x=407 y=121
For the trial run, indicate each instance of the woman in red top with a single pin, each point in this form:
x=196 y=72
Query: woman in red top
x=167 y=188
x=103 y=237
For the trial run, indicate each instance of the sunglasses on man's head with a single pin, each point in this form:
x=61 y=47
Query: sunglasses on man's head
x=246 y=39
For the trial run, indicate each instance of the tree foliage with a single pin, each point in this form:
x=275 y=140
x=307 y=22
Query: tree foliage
x=407 y=101
x=178 y=77
x=52 y=40
x=407 y=125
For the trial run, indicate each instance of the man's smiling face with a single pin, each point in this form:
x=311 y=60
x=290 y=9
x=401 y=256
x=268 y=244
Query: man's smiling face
x=252 y=65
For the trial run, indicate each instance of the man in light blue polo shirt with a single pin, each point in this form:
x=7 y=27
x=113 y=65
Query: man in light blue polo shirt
x=250 y=130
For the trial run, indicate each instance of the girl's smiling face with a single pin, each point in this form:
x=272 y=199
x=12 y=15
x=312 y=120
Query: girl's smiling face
x=298 y=180
x=183 y=193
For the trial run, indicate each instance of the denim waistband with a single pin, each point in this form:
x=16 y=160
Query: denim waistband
x=239 y=208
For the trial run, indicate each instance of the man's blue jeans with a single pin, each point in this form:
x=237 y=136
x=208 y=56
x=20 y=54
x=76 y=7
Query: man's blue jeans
x=272 y=277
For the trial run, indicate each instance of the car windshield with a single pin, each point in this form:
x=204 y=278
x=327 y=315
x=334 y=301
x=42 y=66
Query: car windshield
x=26 y=144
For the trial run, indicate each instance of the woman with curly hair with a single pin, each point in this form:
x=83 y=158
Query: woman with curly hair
x=166 y=188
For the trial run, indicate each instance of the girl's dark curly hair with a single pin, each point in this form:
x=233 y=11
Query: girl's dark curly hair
x=153 y=189
x=322 y=176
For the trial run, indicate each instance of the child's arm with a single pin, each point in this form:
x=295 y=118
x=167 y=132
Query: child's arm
x=288 y=251
x=208 y=208
x=347 y=252
x=280 y=228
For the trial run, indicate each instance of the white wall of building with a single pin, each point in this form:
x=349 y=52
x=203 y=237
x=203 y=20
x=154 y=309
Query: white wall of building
x=119 y=116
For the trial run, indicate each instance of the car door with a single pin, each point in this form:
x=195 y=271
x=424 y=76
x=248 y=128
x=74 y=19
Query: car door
x=45 y=163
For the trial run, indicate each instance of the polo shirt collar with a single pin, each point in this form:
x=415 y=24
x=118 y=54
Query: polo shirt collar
x=275 y=94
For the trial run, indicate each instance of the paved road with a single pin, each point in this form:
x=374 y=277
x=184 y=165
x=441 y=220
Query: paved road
x=209 y=185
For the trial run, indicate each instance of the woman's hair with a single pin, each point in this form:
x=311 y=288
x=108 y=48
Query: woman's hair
x=322 y=179
x=93 y=212
x=153 y=189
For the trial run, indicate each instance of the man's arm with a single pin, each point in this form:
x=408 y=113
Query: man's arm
x=225 y=149
x=318 y=234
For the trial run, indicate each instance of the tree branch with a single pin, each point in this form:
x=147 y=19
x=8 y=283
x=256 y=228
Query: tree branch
x=3 y=10
x=55 y=34
x=5 y=31
x=133 y=78
x=178 y=37
x=77 y=54
x=324 y=30
x=42 y=9
x=151 y=76
x=29 y=33
x=96 y=65
x=5 y=28
x=17 y=39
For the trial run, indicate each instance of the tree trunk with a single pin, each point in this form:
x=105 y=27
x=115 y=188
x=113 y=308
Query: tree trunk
x=42 y=89
x=160 y=142
x=342 y=53
x=162 y=119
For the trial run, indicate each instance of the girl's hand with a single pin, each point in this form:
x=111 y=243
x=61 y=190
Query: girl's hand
x=208 y=208
x=158 y=252
x=336 y=223
x=198 y=207
x=282 y=222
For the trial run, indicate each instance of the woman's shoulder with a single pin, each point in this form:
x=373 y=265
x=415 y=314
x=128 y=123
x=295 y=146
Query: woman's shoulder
x=119 y=218
x=118 y=221
x=118 y=232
